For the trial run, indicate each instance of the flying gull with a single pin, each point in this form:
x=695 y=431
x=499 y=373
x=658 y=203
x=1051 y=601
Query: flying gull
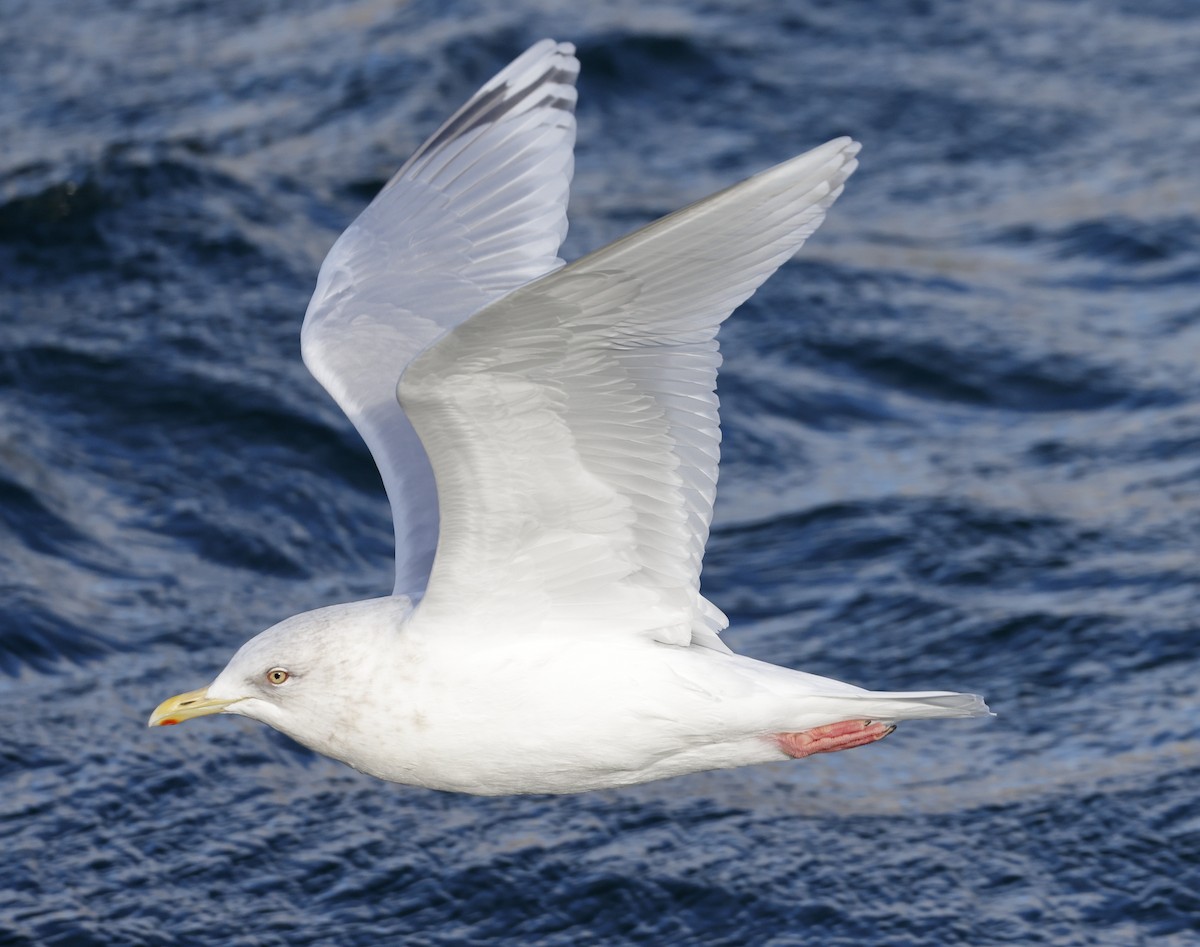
x=548 y=438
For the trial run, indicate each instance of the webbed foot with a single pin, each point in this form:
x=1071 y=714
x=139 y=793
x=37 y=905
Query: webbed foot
x=829 y=739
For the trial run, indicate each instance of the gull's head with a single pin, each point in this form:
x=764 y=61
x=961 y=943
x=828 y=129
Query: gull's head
x=290 y=675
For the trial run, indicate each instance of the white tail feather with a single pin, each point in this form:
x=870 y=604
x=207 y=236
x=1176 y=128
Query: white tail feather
x=912 y=705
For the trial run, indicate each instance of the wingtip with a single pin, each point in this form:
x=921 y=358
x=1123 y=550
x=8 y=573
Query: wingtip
x=545 y=58
x=822 y=170
x=843 y=145
x=547 y=43
x=547 y=51
x=845 y=148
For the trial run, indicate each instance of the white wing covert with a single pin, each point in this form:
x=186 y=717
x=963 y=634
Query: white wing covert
x=477 y=211
x=572 y=425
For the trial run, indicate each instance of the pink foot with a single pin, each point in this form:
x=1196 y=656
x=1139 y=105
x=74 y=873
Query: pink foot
x=836 y=736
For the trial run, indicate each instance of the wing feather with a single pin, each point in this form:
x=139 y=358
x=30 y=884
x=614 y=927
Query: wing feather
x=479 y=209
x=573 y=425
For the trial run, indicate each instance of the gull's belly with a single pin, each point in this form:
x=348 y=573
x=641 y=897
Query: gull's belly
x=554 y=719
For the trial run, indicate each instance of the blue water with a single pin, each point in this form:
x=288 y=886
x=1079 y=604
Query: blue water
x=962 y=450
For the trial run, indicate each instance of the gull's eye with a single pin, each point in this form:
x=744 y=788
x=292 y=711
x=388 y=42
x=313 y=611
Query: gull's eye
x=277 y=676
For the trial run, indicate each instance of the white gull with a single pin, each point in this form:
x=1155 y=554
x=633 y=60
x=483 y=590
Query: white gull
x=548 y=437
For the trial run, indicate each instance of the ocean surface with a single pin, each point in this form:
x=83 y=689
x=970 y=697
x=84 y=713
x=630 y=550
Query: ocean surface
x=962 y=450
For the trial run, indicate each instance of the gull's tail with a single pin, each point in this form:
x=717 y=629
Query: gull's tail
x=912 y=705
x=858 y=719
x=810 y=700
x=849 y=720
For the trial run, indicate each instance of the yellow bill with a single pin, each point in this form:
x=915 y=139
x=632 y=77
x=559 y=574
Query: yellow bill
x=184 y=707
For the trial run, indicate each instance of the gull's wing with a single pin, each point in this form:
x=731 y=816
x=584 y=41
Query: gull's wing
x=573 y=427
x=476 y=212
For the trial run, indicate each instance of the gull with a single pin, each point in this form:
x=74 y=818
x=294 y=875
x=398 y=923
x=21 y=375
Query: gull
x=548 y=438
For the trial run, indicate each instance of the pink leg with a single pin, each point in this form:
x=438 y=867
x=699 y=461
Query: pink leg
x=836 y=736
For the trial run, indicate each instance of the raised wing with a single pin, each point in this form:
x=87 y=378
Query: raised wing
x=573 y=426
x=477 y=211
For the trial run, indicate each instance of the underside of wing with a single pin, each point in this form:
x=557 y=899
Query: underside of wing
x=573 y=425
x=478 y=210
